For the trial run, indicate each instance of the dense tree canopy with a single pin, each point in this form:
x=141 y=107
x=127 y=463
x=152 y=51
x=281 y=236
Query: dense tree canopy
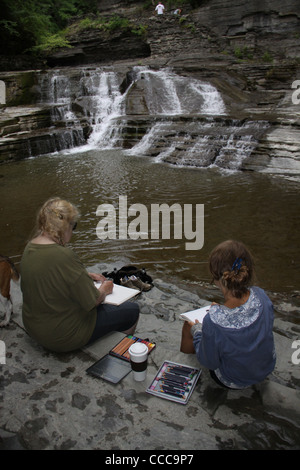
x=24 y=24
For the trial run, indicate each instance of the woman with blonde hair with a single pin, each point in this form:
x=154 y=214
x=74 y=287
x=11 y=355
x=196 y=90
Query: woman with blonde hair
x=235 y=340
x=62 y=308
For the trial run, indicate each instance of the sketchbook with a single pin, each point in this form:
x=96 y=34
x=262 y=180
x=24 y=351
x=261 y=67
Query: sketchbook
x=115 y=365
x=119 y=294
x=174 y=382
x=197 y=314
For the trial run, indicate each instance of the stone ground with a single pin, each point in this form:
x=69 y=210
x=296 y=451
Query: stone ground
x=48 y=402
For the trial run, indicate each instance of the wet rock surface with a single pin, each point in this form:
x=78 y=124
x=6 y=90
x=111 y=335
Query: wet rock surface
x=49 y=402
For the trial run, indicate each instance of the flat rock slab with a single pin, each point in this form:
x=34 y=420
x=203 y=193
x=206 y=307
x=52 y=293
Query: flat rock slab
x=49 y=402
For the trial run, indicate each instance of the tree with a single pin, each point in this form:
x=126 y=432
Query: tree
x=25 y=23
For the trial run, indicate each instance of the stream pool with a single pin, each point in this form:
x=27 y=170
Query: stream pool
x=259 y=209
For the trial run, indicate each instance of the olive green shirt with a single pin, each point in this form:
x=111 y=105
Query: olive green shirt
x=59 y=297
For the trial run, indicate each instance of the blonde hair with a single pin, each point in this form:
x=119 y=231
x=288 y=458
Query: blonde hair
x=55 y=217
x=232 y=264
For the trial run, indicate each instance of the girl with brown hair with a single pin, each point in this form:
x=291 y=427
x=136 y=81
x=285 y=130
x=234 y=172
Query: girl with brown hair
x=235 y=341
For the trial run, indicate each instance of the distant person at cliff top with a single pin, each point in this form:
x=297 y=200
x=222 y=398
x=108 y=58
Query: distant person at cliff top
x=159 y=8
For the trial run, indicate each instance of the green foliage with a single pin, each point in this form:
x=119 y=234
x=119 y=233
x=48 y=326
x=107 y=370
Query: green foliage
x=51 y=43
x=10 y=27
x=267 y=57
x=108 y=24
x=140 y=30
x=116 y=22
x=88 y=23
x=243 y=53
x=26 y=23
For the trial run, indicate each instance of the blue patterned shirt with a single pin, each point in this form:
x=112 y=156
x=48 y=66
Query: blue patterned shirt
x=238 y=343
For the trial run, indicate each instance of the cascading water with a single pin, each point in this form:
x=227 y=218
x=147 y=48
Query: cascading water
x=200 y=143
x=56 y=92
x=170 y=94
x=95 y=97
x=107 y=104
x=161 y=93
x=166 y=94
x=184 y=119
x=207 y=138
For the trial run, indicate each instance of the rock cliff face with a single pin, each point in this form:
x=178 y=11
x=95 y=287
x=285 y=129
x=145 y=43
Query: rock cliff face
x=256 y=29
x=249 y=51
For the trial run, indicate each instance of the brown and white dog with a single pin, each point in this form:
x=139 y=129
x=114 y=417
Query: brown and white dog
x=8 y=272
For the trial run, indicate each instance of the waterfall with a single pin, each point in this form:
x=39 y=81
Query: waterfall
x=166 y=94
x=95 y=97
x=178 y=119
x=207 y=138
x=230 y=146
x=107 y=104
x=56 y=92
x=203 y=142
x=161 y=93
x=170 y=94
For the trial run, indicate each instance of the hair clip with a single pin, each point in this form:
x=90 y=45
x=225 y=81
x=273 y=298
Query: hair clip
x=237 y=264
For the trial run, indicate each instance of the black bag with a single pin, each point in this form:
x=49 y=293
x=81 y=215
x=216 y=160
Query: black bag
x=125 y=272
